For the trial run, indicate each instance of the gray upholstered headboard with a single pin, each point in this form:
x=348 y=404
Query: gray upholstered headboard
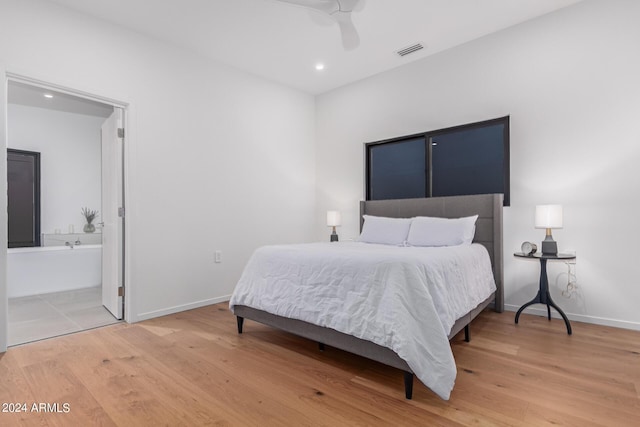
x=488 y=207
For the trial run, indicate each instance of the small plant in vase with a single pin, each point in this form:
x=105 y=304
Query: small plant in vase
x=89 y=215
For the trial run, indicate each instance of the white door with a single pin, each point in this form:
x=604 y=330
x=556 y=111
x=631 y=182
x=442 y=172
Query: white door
x=112 y=201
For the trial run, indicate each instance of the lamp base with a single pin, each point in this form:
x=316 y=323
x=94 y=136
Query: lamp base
x=334 y=237
x=549 y=247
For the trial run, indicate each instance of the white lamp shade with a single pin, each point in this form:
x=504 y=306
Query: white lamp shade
x=549 y=216
x=333 y=218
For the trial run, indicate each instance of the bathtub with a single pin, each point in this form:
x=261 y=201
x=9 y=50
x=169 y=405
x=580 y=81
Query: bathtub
x=33 y=271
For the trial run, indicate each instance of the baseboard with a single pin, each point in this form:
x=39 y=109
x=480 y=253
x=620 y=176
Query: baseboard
x=178 y=308
x=623 y=324
x=539 y=311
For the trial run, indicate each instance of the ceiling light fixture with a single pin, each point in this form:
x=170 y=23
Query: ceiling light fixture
x=320 y=67
x=339 y=11
x=48 y=95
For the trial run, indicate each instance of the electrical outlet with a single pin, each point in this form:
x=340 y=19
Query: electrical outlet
x=218 y=256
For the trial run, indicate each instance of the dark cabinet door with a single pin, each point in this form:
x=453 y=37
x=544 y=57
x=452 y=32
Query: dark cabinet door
x=23 y=193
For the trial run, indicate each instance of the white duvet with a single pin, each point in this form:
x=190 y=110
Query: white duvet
x=403 y=298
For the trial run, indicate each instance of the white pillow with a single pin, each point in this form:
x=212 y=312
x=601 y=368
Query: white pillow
x=387 y=231
x=430 y=231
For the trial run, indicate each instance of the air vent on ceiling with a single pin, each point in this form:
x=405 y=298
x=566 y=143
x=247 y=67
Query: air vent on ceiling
x=410 y=49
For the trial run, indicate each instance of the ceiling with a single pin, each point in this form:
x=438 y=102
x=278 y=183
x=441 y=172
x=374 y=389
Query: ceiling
x=33 y=96
x=284 y=42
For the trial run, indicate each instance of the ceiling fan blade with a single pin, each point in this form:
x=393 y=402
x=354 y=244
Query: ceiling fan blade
x=340 y=12
x=350 y=37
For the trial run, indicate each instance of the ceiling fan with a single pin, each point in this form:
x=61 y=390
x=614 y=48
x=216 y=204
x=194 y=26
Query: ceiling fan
x=340 y=12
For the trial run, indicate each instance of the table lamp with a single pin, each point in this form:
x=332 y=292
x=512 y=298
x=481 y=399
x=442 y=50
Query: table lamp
x=548 y=217
x=333 y=220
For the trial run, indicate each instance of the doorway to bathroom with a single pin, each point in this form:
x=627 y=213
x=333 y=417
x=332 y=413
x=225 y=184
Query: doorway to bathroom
x=65 y=271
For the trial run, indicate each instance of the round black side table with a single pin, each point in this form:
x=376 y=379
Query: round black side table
x=543 y=296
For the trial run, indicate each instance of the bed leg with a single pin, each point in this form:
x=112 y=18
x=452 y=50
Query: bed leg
x=408 y=385
x=321 y=346
x=467 y=336
x=240 y=323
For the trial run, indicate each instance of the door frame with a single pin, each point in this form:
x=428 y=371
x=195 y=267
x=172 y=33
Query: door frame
x=112 y=145
x=126 y=106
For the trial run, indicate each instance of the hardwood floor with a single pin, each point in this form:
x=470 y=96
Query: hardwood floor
x=192 y=368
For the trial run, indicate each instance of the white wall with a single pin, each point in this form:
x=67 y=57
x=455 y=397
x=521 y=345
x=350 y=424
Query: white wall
x=569 y=81
x=217 y=158
x=70 y=161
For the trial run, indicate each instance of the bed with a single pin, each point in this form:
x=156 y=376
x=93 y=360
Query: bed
x=488 y=234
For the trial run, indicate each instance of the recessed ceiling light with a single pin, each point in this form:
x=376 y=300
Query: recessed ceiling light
x=320 y=66
x=48 y=95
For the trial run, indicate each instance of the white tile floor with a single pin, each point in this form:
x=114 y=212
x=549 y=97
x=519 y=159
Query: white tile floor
x=49 y=315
